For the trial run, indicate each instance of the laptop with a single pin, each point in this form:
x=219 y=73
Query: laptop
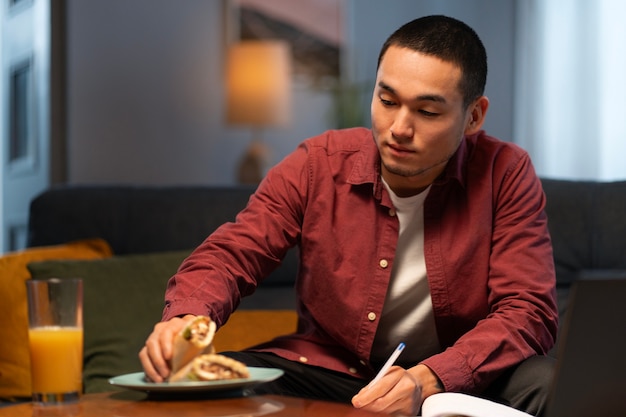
x=590 y=375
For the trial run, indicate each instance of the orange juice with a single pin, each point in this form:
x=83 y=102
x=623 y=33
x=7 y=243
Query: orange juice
x=56 y=355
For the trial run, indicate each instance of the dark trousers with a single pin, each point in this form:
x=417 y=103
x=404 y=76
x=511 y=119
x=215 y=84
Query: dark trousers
x=524 y=387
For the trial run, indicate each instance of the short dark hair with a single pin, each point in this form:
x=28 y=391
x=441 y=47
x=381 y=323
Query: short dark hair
x=450 y=40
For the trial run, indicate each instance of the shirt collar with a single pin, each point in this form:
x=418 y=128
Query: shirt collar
x=366 y=170
x=455 y=168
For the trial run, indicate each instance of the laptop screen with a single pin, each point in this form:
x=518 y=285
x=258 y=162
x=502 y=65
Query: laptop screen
x=590 y=377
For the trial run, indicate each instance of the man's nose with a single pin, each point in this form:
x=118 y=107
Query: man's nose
x=402 y=127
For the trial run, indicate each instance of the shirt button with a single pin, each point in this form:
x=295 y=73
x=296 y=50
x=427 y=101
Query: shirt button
x=383 y=263
x=371 y=316
x=392 y=212
x=303 y=359
x=352 y=370
x=363 y=362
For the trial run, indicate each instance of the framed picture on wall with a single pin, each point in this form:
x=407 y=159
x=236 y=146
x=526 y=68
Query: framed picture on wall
x=314 y=30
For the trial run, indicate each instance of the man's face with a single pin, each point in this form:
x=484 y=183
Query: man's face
x=418 y=117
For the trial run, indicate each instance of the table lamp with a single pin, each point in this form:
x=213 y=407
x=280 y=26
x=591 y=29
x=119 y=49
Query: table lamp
x=258 y=85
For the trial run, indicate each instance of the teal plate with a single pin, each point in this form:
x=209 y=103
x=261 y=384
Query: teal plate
x=137 y=381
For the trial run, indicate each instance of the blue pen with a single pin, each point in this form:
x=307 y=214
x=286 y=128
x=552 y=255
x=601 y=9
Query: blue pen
x=388 y=364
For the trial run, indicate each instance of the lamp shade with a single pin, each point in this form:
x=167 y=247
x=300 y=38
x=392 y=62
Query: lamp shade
x=258 y=83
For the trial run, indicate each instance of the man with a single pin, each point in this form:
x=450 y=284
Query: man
x=422 y=230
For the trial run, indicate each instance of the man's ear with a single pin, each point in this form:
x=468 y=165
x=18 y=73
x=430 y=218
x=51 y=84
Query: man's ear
x=476 y=115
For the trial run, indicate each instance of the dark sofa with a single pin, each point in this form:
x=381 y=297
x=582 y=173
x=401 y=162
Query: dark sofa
x=586 y=221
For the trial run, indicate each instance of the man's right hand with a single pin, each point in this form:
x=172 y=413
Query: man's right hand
x=156 y=355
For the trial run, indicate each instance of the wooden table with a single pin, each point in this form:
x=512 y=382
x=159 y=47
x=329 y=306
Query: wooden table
x=132 y=404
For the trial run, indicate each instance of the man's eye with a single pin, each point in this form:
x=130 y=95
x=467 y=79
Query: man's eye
x=386 y=102
x=428 y=113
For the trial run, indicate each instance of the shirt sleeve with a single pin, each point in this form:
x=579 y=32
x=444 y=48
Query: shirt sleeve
x=236 y=257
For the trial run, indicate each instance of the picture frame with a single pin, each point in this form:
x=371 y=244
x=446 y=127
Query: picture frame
x=314 y=30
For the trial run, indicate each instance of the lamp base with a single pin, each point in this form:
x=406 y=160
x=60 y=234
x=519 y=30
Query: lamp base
x=254 y=164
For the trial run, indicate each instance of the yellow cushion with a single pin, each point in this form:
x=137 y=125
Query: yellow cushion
x=14 y=355
x=247 y=328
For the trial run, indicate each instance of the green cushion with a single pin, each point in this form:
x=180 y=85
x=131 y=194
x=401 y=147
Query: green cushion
x=123 y=299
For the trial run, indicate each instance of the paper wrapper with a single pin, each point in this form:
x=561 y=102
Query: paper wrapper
x=211 y=367
x=193 y=340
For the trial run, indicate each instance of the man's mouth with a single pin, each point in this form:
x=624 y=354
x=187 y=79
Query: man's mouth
x=399 y=150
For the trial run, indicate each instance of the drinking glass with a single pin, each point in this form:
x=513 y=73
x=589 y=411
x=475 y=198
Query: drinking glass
x=55 y=318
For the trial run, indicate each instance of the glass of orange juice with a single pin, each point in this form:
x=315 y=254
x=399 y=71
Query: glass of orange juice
x=55 y=316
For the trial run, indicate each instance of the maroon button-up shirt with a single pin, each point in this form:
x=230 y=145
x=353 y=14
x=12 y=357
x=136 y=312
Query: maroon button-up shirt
x=486 y=243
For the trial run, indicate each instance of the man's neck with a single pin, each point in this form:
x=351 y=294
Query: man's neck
x=408 y=186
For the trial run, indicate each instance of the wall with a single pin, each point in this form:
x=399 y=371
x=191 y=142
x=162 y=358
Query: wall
x=146 y=100
x=145 y=97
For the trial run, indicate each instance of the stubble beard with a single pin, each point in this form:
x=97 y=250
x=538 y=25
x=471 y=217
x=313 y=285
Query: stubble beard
x=415 y=172
x=405 y=172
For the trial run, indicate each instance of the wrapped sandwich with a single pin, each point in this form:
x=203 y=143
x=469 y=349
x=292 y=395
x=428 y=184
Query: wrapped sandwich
x=194 y=339
x=211 y=367
x=194 y=357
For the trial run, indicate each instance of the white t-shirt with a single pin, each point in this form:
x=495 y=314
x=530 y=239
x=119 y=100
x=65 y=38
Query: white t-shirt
x=408 y=311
